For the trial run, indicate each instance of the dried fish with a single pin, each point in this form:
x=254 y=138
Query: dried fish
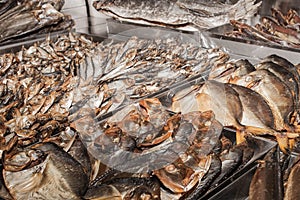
x=29 y=16
x=126 y=188
x=37 y=181
x=227 y=72
x=290 y=191
x=56 y=104
x=204 y=184
x=282 y=103
x=267 y=176
x=277 y=29
x=177 y=13
x=6 y=4
x=257 y=112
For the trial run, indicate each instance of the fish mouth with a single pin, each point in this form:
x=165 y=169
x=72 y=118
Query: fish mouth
x=253 y=84
x=227 y=72
x=101 y=3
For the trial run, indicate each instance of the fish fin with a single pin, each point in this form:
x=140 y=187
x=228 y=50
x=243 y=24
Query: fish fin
x=240 y=136
x=283 y=142
x=282 y=138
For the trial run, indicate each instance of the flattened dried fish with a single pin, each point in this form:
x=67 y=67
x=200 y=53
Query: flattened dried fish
x=29 y=22
x=58 y=170
x=276 y=93
x=30 y=16
x=291 y=191
x=177 y=13
x=266 y=182
x=256 y=112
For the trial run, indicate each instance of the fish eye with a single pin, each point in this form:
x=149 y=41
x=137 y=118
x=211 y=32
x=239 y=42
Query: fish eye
x=183 y=156
x=248 y=78
x=170 y=168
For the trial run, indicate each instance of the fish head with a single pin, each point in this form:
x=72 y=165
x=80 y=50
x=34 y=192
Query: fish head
x=177 y=177
x=103 y=4
x=222 y=72
x=250 y=80
x=151 y=105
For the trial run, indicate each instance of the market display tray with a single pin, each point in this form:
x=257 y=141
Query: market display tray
x=215 y=37
x=251 y=48
x=229 y=188
x=17 y=45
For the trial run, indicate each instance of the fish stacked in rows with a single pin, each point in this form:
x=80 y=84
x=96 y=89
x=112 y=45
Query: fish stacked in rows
x=48 y=86
x=261 y=99
x=277 y=29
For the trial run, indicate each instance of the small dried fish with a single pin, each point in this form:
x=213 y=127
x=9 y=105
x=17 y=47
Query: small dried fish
x=277 y=29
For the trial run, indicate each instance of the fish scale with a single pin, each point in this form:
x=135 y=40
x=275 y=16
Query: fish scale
x=177 y=13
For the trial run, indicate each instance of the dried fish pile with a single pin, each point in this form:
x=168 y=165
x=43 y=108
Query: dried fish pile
x=261 y=99
x=154 y=153
x=26 y=17
x=37 y=93
x=73 y=76
x=178 y=14
x=276 y=29
x=125 y=71
x=278 y=174
x=35 y=84
x=48 y=88
x=138 y=67
x=53 y=145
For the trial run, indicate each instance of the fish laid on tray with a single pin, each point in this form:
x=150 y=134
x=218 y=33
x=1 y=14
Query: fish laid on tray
x=182 y=153
x=53 y=93
x=282 y=29
x=257 y=99
x=24 y=17
x=51 y=85
x=278 y=174
x=135 y=68
x=177 y=14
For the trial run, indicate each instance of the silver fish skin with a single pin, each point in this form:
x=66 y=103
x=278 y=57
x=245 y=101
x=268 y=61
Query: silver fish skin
x=29 y=22
x=177 y=13
x=274 y=91
x=165 y=12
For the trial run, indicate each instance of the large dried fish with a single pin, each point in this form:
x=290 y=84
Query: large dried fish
x=30 y=16
x=59 y=176
x=267 y=176
x=231 y=109
x=177 y=13
x=29 y=21
x=256 y=112
x=276 y=93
